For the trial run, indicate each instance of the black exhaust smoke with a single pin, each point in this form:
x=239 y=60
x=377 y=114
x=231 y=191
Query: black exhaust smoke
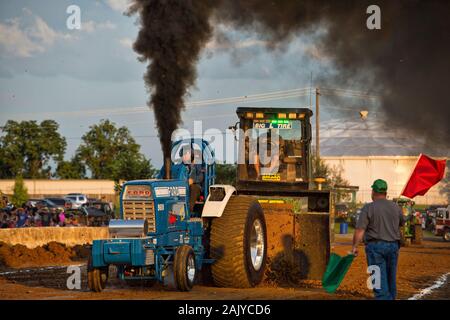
x=167 y=168
x=407 y=60
x=172 y=34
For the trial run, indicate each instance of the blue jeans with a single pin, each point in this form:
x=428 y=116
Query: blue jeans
x=384 y=255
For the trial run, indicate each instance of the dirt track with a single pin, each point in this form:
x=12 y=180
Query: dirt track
x=419 y=267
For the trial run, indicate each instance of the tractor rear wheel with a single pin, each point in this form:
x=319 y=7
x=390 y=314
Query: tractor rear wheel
x=238 y=244
x=184 y=268
x=97 y=277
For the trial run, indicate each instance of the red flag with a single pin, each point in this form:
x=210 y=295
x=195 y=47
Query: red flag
x=426 y=174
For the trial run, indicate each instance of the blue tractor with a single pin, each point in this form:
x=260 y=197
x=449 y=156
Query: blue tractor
x=164 y=235
x=159 y=237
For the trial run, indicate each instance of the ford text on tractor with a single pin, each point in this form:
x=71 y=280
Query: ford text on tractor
x=162 y=235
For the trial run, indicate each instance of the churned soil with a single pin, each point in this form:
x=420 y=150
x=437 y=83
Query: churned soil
x=19 y=256
x=419 y=266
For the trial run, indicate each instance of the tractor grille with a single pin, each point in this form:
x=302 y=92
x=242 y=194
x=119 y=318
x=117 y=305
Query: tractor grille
x=140 y=209
x=149 y=257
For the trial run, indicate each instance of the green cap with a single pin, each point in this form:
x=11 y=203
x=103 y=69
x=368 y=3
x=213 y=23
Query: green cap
x=379 y=186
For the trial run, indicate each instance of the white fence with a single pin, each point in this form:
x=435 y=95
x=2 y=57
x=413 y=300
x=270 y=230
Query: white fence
x=62 y=187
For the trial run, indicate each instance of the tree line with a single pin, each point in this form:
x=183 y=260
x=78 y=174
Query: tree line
x=30 y=149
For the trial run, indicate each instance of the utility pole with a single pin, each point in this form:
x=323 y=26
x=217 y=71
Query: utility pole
x=310 y=92
x=317 y=124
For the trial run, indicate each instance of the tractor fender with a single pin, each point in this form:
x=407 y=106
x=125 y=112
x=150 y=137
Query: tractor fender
x=217 y=200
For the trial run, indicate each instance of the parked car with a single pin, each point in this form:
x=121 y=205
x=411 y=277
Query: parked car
x=99 y=213
x=94 y=214
x=101 y=205
x=62 y=202
x=47 y=203
x=341 y=210
x=431 y=217
x=442 y=224
x=78 y=199
x=353 y=217
x=32 y=203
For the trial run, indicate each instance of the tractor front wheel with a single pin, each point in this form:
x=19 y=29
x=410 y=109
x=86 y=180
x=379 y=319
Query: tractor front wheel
x=97 y=277
x=184 y=268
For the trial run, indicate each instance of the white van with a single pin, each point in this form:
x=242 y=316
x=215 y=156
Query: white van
x=78 y=199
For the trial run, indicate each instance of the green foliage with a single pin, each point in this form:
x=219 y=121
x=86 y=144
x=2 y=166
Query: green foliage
x=298 y=204
x=20 y=195
x=333 y=177
x=117 y=207
x=112 y=153
x=132 y=166
x=226 y=173
x=28 y=147
x=7 y=170
x=73 y=169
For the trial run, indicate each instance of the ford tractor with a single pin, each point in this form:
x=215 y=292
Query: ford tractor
x=162 y=235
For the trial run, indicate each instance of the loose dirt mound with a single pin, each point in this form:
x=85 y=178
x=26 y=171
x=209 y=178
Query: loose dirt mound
x=284 y=270
x=19 y=256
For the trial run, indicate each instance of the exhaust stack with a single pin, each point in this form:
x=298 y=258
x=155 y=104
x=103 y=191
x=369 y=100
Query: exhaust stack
x=167 y=167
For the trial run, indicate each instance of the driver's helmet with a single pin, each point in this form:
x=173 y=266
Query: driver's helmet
x=198 y=158
x=184 y=151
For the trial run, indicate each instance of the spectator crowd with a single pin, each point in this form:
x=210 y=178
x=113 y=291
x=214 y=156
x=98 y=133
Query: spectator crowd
x=32 y=217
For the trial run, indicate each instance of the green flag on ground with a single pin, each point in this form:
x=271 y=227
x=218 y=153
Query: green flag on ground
x=336 y=270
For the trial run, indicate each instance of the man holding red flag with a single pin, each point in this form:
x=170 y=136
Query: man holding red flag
x=426 y=174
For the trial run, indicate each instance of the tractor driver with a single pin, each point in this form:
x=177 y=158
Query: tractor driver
x=273 y=143
x=195 y=176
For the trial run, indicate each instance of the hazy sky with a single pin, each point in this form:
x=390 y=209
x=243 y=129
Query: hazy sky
x=50 y=72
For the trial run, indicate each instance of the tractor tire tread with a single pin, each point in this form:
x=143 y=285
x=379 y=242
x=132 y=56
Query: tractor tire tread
x=227 y=234
x=179 y=268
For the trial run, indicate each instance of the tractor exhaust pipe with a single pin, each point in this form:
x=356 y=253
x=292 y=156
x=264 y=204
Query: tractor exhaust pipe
x=167 y=167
